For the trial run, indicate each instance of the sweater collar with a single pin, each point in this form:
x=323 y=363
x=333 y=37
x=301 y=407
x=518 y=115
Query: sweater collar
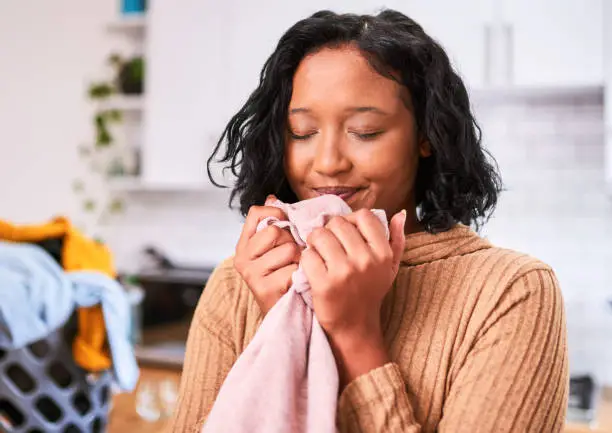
x=425 y=247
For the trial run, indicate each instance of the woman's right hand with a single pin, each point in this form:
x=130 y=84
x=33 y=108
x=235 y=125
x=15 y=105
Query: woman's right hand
x=266 y=259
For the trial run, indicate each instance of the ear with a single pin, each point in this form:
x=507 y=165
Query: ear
x=424 y=149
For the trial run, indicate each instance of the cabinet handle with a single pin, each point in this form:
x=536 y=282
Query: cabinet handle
x=487 y=54
x=509 y=52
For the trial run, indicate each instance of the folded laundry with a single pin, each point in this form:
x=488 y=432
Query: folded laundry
x=37 y=297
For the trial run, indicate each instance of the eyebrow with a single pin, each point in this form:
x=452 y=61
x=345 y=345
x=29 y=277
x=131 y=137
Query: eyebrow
x=365 y=109
x=299 y=110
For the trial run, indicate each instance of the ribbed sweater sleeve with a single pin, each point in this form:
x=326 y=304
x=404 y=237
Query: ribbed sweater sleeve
x=512 y=379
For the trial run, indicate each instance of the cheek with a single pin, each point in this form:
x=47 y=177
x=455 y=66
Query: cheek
x=389 y=161
x=295 y=165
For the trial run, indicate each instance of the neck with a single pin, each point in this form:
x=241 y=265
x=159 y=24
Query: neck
x=413 y=225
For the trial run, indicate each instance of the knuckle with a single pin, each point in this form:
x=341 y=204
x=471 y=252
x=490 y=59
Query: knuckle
x=273 y=211
x=306 y=257
x=295 y=249
x=274 y=231
x=364 y=214
x=288 y=250
x=254 y=211
x=387 y=256
x=271 y=235
x=344 y=271
x=286 y=236
x=363 y=264
x=278 y=213
x=315 y=235
x=335 y=221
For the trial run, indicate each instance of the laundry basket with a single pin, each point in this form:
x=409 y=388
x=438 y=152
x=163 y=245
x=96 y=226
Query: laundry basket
x=43 y=390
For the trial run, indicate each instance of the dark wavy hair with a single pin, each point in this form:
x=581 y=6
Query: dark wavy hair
x=459 y=182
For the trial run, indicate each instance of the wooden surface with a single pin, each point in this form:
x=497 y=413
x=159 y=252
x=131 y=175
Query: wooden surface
x=123 y=417
x=604 y=417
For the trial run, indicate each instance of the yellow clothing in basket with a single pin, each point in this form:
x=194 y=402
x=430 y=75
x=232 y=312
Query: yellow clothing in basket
x=78 y=253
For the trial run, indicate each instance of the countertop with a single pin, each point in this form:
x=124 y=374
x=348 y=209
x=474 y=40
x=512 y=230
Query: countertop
x=603 y=424
x=123 y=417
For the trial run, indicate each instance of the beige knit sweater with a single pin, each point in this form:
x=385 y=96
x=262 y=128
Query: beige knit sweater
x=476 y=334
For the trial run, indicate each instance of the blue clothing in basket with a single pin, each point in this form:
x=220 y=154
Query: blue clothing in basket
x=37 y=297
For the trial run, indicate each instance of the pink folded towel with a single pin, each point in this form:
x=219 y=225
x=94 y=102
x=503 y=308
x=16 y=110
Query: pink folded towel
x=286 y=379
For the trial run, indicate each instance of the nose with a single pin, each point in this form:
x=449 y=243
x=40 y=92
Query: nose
x=331 y=159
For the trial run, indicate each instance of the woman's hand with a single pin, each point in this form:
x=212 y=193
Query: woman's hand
x=351 y=266
x=266 y=259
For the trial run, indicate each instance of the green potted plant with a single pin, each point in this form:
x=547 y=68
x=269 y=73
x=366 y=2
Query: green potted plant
x=128 y=79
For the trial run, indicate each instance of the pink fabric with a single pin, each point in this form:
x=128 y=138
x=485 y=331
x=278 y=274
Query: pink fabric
x=286 y=379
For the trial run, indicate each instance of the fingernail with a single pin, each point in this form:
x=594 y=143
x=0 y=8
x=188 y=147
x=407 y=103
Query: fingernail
x=404 y=214
x=270 y=198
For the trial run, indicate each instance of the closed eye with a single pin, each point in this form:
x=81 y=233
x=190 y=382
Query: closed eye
x=368 y=135
x=302 y=136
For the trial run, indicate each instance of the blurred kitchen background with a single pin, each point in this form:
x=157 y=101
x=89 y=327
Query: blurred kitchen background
x=108 y=112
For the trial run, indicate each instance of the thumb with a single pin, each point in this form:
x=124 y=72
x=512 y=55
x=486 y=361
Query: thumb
x=270 y=199
x=398 y=239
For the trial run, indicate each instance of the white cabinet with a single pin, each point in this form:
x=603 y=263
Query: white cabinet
x=608 y=94
x=460 y=27
x=556 y=43
x=204 y=59
x=517 y=43
x=186 y=87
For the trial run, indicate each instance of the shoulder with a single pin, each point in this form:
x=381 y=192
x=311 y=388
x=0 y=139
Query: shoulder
x=505 y=280
x=501 y=265
x=227 y=306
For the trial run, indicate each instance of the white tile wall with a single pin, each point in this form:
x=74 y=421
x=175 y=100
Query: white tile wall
x=555 y=208
x=551 y=156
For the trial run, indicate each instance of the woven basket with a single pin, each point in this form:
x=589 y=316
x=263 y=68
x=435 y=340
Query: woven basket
x=43 y=390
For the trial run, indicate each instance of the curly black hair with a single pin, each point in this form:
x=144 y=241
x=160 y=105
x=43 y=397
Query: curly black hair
x=459 y=182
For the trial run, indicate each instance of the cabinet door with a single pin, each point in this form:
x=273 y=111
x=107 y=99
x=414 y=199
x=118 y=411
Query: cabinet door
x=556 y=42
x=204 y=60
x=186 y=83
x=459 y=26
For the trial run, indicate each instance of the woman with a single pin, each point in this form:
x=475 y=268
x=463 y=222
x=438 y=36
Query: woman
x=435 y=331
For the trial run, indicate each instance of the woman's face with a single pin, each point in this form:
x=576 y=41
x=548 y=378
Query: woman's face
x=350 y=133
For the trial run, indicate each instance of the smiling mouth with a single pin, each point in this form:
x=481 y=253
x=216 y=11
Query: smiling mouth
x=344 y=192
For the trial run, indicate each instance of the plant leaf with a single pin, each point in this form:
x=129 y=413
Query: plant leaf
x=84 y=150
x=103 y=136
x=115 y=60
x=114 y=115
x=116 y=206
x=100 y=90
x=78 y=185
x=89 y=205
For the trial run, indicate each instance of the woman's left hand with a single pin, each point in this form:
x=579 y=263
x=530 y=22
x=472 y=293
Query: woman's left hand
x=351 y=266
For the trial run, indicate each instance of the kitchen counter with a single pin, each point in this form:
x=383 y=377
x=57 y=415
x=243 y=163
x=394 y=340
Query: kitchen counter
x=124 y=418
x=603 y=423
x=153 y=372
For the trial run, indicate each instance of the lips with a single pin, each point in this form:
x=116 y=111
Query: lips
x=344 y=192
